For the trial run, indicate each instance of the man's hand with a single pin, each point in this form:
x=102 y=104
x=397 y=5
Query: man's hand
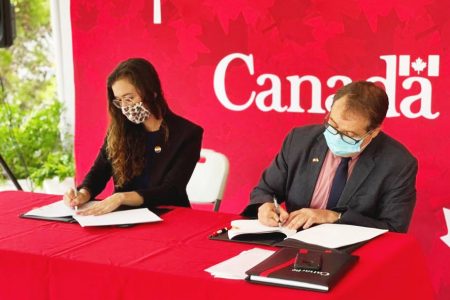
x=306 y=217
x=268 y=216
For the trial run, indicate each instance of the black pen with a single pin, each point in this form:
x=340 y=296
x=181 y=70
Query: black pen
x=277 y=210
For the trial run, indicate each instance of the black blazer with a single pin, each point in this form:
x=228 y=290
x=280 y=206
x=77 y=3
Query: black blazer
x=380 y=192
x=171 y=170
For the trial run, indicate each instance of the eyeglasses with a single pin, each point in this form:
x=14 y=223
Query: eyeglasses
x=124 y=101
x=349 y=140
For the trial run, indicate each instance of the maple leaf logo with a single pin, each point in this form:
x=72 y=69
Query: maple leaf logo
x=419 y=65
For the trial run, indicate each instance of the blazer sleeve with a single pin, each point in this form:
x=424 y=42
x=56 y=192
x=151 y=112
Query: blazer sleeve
x=272 y=182
x=99 y=174
x=173 y=187
x=396 y=203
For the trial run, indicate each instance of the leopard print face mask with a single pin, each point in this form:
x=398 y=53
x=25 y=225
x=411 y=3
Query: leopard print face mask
x=136 y=113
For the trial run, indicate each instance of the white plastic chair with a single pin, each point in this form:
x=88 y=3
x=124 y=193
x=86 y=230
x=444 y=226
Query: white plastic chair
x=207 y=183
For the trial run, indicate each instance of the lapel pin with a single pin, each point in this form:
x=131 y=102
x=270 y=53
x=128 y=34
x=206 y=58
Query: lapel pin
x=157 y=149
x=315 y=160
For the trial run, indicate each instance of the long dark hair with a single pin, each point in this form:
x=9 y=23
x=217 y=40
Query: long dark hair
x=125 y=140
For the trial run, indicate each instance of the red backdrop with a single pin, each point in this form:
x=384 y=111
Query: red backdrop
x=248 y=71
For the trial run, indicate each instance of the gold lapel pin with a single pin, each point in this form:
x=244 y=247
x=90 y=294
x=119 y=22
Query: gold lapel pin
x=157 y=149
x=315 y=160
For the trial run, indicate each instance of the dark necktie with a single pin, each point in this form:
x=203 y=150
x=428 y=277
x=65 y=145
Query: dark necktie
x=340 y=178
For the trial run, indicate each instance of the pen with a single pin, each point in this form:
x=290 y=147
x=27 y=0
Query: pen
x=277 y=209
x=218 y=232
x=76 y=195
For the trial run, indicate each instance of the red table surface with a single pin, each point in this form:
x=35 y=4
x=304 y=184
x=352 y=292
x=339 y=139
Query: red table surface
x=166 y=260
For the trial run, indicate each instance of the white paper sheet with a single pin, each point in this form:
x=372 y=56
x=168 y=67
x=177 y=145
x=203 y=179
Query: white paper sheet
x=254 y=226
x=336 y=235
x=446 y=238
x=235 y=267
x=59 y=209
x=54 y=210
x=131 y=216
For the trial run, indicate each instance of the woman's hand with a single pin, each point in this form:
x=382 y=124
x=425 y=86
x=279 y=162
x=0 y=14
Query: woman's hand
x=72 y=198
x=112 y=203
x=105 y=206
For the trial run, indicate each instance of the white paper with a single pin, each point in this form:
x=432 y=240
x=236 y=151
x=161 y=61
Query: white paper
x=254 y=226
x=336 y=235
x=446 y=238
x=235 y=267
x=56 y=210
x=131 y=216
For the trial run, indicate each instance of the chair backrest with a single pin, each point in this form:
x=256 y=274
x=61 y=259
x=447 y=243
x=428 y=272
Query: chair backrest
x=207 y=183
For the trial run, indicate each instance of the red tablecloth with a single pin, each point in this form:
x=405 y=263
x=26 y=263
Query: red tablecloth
x=166 y=260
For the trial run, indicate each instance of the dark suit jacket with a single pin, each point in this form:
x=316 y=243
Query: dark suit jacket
x=171 y=169
x=379 y=193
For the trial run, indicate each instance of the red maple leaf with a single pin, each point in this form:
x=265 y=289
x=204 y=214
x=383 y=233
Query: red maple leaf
x=219 y=43
x=290 y=19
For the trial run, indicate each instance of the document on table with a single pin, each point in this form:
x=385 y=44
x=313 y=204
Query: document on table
x=336 y=235
x=235 y=267
x=446 y=238
x=55 y=210
x=130 y=216
x=59 y=210
x=240 y=227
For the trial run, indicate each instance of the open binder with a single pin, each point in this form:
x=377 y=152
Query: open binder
x=124 y=216
x=251 y=231
x=67 y=219
x=278 y=239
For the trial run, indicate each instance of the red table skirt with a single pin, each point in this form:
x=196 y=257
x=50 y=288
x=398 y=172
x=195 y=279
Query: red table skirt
x=166 y=260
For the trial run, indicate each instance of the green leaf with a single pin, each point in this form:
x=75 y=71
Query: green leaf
x=30 y=140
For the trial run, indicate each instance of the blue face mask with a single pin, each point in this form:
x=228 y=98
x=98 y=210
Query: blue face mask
x=339 y=147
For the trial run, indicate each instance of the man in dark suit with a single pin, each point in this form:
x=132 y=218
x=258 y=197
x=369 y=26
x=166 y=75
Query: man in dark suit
x=344 y=171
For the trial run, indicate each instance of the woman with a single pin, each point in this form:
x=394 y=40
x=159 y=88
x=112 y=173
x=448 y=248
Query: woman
x=149 y=151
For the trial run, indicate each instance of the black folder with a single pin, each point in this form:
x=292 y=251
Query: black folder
x=281 y=269
x=69 y=219
x=268 y=239
x=277 y=239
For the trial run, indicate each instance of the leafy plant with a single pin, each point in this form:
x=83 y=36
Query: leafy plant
x=30 y=139
x=30 y=143
x=58 y=164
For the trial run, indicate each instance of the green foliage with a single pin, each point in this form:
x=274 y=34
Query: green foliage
x=30 y=143
x=58 y=164
x=26 y=67
x=30 y=140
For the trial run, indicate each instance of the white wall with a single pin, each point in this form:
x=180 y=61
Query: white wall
x=62 y=33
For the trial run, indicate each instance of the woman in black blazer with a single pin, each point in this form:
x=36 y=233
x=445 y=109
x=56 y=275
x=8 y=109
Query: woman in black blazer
x=149 y=151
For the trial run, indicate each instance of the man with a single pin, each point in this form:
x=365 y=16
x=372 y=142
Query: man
x=345 y=171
